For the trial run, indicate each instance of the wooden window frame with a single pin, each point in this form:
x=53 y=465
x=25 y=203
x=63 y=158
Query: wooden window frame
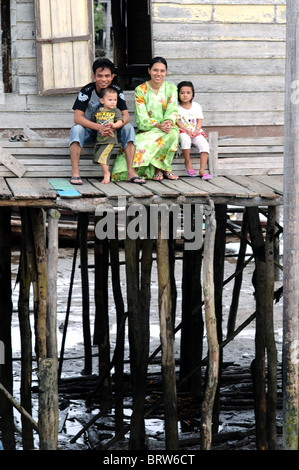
x=40 y=41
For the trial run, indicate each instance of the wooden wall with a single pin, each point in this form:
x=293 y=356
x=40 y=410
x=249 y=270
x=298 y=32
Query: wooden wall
x=233 y=51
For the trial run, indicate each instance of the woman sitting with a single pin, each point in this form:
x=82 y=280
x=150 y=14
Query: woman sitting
x=156 y=112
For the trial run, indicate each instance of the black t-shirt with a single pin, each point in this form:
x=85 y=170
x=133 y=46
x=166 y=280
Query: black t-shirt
x=88 y=100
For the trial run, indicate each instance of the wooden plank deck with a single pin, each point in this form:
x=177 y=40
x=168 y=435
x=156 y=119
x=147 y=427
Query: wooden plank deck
x=238 y=190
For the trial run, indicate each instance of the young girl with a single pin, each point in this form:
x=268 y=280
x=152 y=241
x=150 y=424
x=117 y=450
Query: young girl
x=189 y=123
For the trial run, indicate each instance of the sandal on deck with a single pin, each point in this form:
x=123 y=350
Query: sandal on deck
x=206 y=177
x=158 y=176
x=135 y=178
x=166 y=175
x=76 y=180
x=191 y=172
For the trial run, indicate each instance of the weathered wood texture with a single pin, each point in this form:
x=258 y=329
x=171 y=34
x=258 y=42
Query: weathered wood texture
x=234 y=52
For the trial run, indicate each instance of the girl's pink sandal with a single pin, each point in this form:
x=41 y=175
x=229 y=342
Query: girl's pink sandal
x=191 y=172
x=206 y=177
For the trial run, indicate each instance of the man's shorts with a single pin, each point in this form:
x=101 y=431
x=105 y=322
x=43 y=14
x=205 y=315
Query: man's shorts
x=103 y=153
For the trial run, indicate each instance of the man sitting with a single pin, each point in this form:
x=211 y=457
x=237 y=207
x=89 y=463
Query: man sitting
x=85 y=130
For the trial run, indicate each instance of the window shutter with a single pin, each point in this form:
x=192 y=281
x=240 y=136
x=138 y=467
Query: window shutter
x=64 y=45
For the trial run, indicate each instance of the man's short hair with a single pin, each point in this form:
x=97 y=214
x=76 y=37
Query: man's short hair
x=103 y=64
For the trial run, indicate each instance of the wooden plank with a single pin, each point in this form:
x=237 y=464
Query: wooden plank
x=87 y=189
x=30 y=188
x=274 y=182
x=161 y=189
x=64 y=188
x=12 y=163
x=278 y=149
x=136 y=190
x=205 y=186
x=5 y=192
x=184 y=188
x=255 y=186
x=111 y=190
x=232 y=189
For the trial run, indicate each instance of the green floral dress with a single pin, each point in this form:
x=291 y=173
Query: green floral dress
x=154 y=148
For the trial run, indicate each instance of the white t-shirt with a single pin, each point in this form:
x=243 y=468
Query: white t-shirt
x=188 y=117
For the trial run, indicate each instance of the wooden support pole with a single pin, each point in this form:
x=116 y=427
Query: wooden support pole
x=119 y=349
x=25 y=334
x=39 y=237
x=52 y=262
x=48 y=404
x=218 y=263
x=166 y=334
x=269 y=332
x=101 y=333
x=138 y=321
x=239 y=276
x=83 y=224
x=192 y=320
x=6 y=377
x=291 y=230
x=259 y=364
x=211 y=327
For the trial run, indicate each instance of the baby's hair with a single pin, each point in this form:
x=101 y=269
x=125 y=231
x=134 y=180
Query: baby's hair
x=185 y=83
x=105 y=90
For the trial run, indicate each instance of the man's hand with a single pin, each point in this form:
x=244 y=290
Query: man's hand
x=106 y=130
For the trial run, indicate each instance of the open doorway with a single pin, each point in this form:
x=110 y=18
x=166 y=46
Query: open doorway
x=132 y=40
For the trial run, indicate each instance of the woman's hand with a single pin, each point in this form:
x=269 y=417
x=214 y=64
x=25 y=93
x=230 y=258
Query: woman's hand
x=166 y=126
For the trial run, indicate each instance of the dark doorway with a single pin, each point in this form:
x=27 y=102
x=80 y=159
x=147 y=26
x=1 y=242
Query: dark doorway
x=131 y=24
x=6 y=46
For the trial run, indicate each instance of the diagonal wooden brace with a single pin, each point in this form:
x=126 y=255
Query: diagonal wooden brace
x=12 y=163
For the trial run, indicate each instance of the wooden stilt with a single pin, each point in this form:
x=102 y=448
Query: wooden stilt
x=52 y=261
x=219 y=259
x=83 y=224
x=192 y=321
x=25 y=335
x=101 y=335
x=259 y=369
x=6 y=377
x=39 y=236
x=269 y=332
x=211 y=327
x=48 y=398
x=239 y=276
x=166 y=333
x=119 y=349
x=138 y=321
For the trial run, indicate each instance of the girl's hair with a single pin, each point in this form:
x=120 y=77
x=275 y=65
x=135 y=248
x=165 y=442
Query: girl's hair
x=157 y=59
x=189 y=84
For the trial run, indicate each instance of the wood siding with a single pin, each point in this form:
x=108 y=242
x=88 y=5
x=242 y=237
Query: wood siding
x=233 y=52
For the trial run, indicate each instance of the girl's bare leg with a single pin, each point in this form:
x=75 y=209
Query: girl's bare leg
x=203 y=162
x=186 y=155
